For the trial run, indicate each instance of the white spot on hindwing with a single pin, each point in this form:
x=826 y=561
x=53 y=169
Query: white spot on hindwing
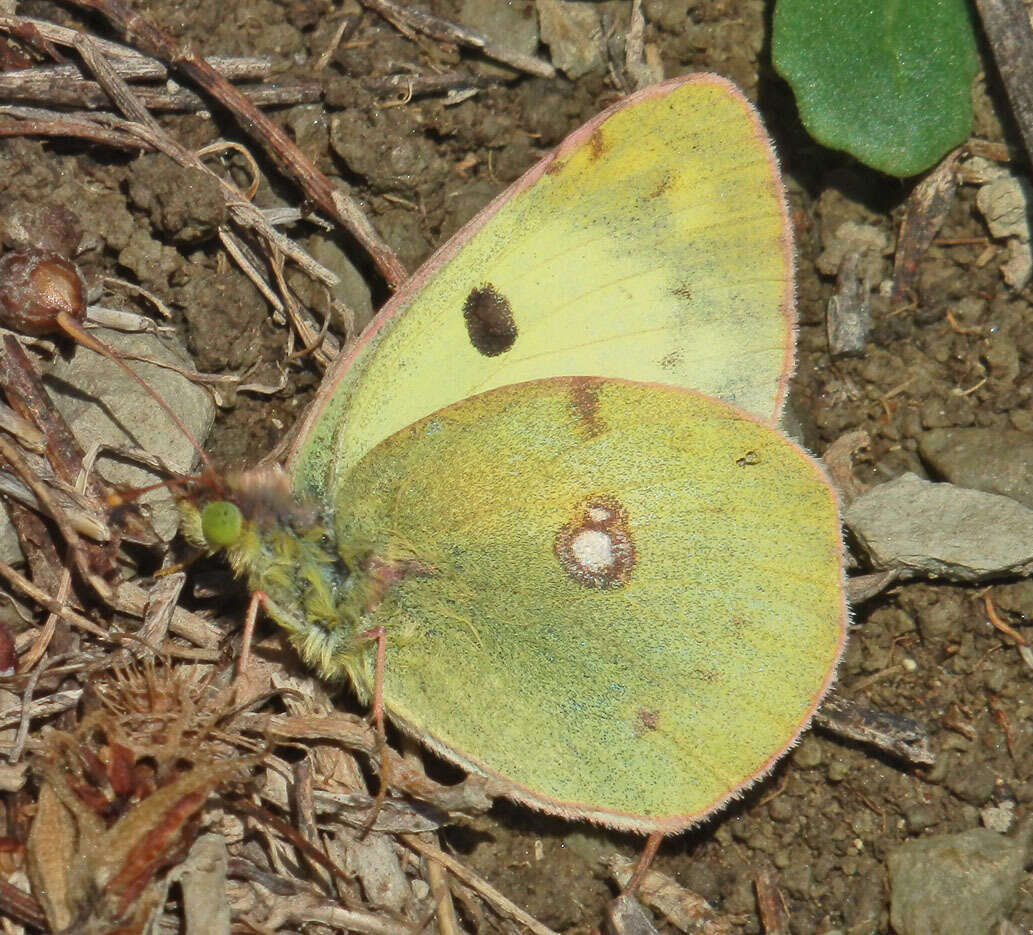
x=595 y=548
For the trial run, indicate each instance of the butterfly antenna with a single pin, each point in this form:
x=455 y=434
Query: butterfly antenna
x=132 y=494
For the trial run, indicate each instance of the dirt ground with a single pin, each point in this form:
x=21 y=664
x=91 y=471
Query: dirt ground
x=828 y=816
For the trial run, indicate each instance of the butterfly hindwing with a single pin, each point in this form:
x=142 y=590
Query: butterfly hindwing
x=623 y=599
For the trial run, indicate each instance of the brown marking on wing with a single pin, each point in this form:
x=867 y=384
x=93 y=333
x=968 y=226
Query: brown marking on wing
x=663 y=186
x=646 y=721
x=597 y=145
x=584 y=401
x=671 y=361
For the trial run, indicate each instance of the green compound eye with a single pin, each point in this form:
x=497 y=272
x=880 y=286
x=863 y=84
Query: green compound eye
x=221 y=523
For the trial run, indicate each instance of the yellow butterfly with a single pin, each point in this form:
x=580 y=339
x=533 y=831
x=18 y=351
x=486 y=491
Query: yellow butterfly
x=549 y=471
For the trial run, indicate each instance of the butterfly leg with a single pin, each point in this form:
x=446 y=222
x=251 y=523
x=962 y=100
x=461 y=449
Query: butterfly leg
x=257 y=599
x=379 y=634
x=644 y=860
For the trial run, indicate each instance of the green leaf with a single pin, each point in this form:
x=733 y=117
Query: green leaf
x=886 y=80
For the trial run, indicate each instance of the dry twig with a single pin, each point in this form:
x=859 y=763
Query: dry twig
x=64 y=86
x=1011 y=43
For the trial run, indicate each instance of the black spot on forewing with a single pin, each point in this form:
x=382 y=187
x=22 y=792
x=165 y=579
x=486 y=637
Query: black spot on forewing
x=489 y=321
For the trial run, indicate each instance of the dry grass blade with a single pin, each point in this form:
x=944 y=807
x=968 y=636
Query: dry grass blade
x=22 y=429
x=82 y=521
x=900 y=736
x=773 y=914
x=31 y=401
x=33 y=121
x=22 y=584
x=121 y=797
x=307 y=907
x=20 y=906
x=77 y=546
x=927 y=209
x=142 y=131
x=413 y=86
x=128 y=62
x=682 y=908
x=133 y=600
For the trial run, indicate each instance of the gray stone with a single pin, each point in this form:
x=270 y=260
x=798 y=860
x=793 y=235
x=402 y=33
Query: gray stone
x=627 y=917
x=184 y=203
x=866 y=240
x=919 y=817
x=669 y=15
x=863 y=910
x=809 y=753
x=998 y=817
x=955 y=884
x=352 y=290
x=102 y=405
x=573 y=31
x=1005 y=204
x=511 y=23
x=1002 y=358
x=311 y=129
x=837 y=770
x=1018 y=268
x=994 y=460
x=401 y=229
x=969 y=779
x=10 y=550
x=202 y=877
x=942 y=530
x=373 y=861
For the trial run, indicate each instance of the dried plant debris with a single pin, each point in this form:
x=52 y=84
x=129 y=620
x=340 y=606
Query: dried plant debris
x=121 y=798
x=686 y=911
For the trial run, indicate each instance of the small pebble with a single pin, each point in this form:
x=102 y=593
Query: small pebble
x=954 y=884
